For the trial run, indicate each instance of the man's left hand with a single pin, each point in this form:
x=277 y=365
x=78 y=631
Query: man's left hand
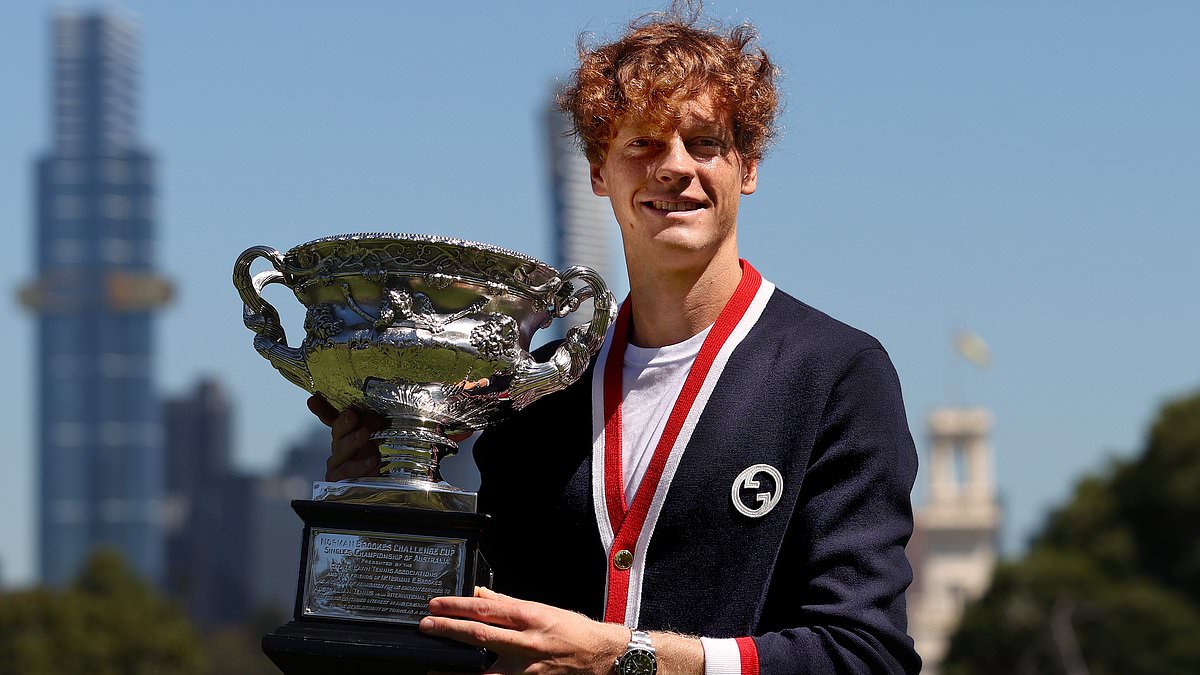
x=529 y=637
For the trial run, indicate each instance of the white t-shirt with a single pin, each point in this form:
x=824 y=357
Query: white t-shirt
x=651 y=380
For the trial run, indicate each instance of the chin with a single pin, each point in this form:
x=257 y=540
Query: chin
x=679 y=253
x=691 y=239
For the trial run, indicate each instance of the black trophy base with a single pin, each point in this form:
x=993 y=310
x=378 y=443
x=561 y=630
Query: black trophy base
x=320 y=648
x=347 y=626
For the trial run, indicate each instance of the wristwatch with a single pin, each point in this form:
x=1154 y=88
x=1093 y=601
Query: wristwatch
x=639 y=658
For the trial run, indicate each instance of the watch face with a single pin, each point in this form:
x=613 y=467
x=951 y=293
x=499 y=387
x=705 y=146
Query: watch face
x=638 y=662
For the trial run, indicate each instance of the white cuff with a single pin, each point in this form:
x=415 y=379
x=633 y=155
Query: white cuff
x=721 y=657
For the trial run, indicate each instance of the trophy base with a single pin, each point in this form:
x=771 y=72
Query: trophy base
x=409 y=493
x=320 y=648
x=367 y=574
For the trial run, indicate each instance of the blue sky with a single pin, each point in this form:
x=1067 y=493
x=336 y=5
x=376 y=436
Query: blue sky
x=1025 y=170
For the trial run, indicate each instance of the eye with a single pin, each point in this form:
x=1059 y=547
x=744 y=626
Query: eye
x=708 y=146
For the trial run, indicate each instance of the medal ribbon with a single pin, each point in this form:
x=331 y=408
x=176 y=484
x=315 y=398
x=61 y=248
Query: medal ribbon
x=627 y=523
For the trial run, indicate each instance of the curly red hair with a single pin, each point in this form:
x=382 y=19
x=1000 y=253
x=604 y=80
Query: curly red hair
x=663 y=61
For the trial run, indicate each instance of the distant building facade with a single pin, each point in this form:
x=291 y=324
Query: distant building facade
x=953 y=550
x=209 y=526
x=96 y=293
x=275 y=550
x=233 y=544
x=584 y=228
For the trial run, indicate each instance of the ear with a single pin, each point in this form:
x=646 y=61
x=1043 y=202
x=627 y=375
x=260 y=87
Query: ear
x=598 y=186
x=750 y=177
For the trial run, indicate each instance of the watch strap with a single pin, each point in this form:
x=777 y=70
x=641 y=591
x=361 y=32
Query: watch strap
x=640 y=645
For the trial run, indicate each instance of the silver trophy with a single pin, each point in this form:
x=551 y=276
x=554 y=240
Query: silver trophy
x=433 y=334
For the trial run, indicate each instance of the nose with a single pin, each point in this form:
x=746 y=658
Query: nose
x=677 y=164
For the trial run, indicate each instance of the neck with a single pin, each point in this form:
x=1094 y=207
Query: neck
x=672 y=305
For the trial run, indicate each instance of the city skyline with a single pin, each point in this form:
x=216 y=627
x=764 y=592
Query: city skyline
x=1024 y=172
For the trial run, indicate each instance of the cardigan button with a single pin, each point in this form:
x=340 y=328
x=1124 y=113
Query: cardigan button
x=623 y=560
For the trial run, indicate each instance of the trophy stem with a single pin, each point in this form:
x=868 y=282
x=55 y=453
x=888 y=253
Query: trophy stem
x=410 y=450
x=409 y=477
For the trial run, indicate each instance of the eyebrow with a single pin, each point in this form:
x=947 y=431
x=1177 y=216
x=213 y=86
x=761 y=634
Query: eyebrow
x=706 y=127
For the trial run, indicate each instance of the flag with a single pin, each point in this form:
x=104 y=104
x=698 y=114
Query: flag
x=973 y=348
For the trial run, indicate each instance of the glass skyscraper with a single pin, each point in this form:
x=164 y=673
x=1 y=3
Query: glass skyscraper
x=95 y=295
x=584 y=226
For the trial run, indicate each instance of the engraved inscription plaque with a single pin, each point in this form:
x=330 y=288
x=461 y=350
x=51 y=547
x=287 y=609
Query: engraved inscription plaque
x=374 y=576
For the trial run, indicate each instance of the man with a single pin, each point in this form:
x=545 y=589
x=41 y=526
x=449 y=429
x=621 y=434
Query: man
x=733 y=473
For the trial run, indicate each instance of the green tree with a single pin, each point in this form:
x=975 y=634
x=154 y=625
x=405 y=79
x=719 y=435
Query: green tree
x=1159 y=498
x=108 y=622
x=1058 y=612
x=1112 y=582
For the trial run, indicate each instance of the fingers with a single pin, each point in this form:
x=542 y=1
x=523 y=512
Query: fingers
x=353 y=453
x=346 y=423
x=470 y=632
x=364 y=462
x=352 y=420
x=347 y=445
x=485 y=592
x=322 y=409
x=497 y=609
x=526 y=636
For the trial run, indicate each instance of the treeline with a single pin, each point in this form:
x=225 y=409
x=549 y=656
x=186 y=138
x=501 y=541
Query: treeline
x=109 y=622
x=1111 y=584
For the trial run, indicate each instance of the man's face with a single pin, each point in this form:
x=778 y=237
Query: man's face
x=675 y=192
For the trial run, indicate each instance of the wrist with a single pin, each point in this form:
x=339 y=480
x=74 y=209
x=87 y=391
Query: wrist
x=615 y=640
x=678 y=654
x=675 y=654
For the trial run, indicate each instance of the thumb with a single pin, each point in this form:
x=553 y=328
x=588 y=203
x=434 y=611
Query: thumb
x=488 y=594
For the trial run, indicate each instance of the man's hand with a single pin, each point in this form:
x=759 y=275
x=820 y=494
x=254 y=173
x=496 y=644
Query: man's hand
x=353 y=454
x=529 y=637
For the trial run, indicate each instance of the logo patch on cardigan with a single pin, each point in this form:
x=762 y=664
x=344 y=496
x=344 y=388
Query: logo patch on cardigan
x=757 y=490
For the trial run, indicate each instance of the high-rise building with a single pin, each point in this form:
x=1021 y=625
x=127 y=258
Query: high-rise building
x=584 y=227
x=208 y=531
x=953 y=550
x=96 y=291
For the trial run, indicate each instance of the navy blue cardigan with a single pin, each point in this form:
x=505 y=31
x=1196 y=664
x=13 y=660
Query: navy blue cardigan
x=818 y=582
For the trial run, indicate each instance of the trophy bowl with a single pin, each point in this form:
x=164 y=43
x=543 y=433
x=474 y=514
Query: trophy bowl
x=432 y=333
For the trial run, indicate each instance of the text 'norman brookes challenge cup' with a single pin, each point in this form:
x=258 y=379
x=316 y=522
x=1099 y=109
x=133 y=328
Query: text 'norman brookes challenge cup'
x=432 y=333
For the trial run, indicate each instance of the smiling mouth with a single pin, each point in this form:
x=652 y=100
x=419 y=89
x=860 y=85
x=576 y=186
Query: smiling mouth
x=674 y=206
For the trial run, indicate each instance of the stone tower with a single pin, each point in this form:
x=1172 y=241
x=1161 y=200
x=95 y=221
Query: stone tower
x=954 y=547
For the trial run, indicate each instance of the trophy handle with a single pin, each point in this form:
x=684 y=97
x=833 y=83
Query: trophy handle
x=259 y=316
x=534 y=380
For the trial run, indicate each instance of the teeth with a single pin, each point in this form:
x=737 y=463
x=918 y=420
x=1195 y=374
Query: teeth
x=676 y=206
